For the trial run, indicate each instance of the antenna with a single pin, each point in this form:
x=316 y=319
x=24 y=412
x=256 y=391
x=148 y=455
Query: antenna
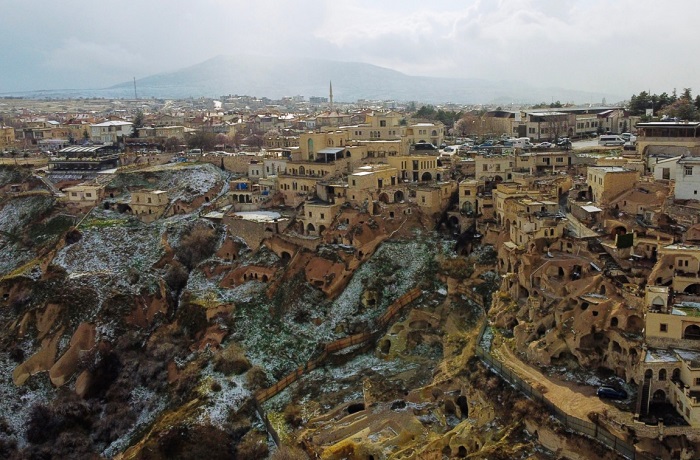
x=135 y=96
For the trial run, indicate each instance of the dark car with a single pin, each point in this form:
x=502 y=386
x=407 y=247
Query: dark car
x=611 y=393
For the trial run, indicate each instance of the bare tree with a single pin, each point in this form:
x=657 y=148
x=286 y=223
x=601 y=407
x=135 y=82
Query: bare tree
x=557 y=125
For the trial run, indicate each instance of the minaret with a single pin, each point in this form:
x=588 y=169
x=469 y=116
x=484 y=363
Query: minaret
x=331 y=94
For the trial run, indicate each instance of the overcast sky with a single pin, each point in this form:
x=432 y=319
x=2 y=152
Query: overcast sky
x=613 y=46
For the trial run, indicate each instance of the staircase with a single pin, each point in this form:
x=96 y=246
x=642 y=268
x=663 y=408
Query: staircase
x=643 y=399
x=54 y=191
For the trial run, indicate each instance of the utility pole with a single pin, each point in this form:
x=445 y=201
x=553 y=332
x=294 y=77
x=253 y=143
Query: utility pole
x=135 y=96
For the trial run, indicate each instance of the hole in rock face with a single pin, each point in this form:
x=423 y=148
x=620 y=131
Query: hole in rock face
x=385 y=346
x=356 y=407
x=463 y=406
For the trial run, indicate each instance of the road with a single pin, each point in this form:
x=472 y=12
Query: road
x=573 y=399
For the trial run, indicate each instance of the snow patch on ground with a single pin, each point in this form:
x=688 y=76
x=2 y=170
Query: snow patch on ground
x=16 y=403
x=220 y=403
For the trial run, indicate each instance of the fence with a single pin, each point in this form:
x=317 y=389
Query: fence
x=583 y=427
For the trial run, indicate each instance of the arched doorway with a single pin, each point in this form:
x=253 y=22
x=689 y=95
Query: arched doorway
x=662 y=374
x=659 y=396
x=692 y=332
x=384 y=198
x=676 y=375
x=321 y=229
x=692 y=289
x=453 y=223
x=398 y=196
x=310 y=228
x=658 y=303
x=426 y=177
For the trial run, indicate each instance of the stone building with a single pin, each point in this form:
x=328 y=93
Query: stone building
x=149 y=205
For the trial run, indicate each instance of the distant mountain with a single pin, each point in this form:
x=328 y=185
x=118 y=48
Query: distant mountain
x=278 y=77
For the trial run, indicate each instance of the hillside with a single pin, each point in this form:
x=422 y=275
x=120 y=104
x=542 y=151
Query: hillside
x=175 y=339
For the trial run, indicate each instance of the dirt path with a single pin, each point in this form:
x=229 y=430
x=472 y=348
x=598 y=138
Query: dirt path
x=576 y=400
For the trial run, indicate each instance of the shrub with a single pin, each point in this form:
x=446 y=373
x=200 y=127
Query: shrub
x=292 y=415
x=231 y=360
x=192 y=318
x=176 y=277
x=253 y=446
x=42 y=425
x=256 y=378
x=199 y=244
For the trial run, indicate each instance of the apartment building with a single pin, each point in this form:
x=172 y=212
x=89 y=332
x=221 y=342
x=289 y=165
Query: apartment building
x=110 y=132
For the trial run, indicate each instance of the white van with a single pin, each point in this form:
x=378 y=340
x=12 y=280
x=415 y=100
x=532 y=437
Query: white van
x=610 y=139
x=521 y=143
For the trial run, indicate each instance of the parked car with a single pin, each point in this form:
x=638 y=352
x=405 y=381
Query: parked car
x=485 y=145
x=448 y=149
x=544 y=145
x=611 y=393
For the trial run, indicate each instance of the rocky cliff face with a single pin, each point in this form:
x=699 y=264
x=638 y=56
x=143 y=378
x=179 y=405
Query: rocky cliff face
x=134 y=340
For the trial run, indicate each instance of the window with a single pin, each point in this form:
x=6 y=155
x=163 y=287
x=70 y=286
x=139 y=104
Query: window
x=89 y=195
x=663 y=327
x=486 y=167
x=560 y=160
x=73 y=193
x=310 y=214
x=322 y=216
x=467 y=192
x=688 y=171
x=697 y=381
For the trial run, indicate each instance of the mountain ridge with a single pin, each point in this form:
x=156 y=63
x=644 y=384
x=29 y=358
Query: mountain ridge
x=276 y=77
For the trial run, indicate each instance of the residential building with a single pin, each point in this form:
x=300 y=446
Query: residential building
x=366 y=182
x=434 y=198
x=687 y=178
x=494 y=168
x=149 y=205
x=668 y=137
x=543 y=162
x=433 y=133
x=110 y=132
x=84 y=194
x=7 y=137
x=607 y=182
x=317 y=216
